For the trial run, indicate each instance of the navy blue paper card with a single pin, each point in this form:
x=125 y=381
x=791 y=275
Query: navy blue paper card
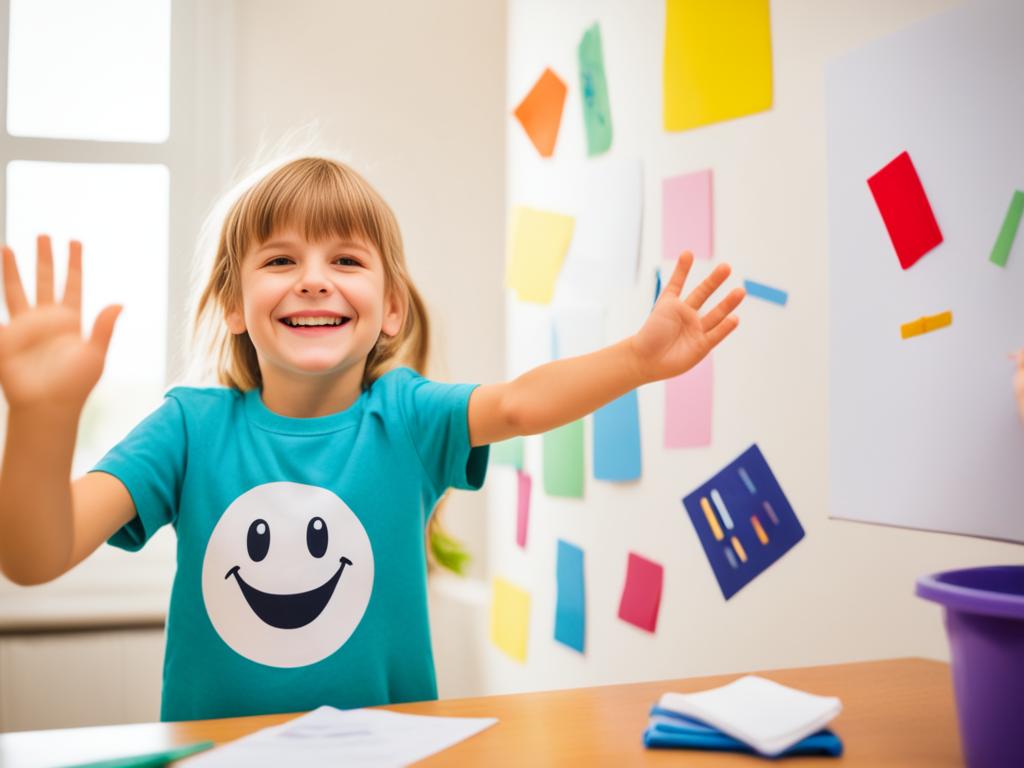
x=743 y=520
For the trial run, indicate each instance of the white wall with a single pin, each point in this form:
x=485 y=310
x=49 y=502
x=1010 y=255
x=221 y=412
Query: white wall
x=846 y=591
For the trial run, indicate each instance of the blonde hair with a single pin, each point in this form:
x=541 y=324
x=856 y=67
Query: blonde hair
x=320 y=198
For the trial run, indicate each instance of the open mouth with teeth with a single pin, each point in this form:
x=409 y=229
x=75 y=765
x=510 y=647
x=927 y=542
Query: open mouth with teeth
x=289 y=611
x=317 y=323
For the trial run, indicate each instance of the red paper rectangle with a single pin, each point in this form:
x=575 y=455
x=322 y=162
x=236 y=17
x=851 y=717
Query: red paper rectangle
x=905 y=210
x=641 y=595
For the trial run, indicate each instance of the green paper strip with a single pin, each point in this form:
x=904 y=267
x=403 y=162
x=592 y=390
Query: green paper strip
x=508 y=452
x=563 y=461
x=597 y=113
x=1001 y=250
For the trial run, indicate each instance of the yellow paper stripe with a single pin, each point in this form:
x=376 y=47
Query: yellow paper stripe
x=761 y=535
x=739 y=549
x=926 y=324
x=709 y=513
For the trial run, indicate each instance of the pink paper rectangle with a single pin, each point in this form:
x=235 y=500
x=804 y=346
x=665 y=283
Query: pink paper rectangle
x=641 y=595
x=686 y=215
x=525 y=483
x=688 y=407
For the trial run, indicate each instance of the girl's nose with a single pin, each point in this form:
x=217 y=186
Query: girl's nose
x=313 y=282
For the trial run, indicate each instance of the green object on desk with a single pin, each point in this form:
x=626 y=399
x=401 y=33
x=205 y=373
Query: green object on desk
x=150 y=759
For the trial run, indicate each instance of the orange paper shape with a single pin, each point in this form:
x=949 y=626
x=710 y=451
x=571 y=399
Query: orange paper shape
x=540 y=113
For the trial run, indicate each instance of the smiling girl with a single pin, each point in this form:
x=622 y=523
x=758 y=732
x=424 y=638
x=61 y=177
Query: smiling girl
x=300 y=488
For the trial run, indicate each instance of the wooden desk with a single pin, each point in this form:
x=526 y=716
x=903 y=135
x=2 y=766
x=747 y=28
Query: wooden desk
x=897 y=713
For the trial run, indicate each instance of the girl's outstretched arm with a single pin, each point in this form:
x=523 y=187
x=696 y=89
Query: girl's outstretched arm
x=674 y=338
x=47 y=371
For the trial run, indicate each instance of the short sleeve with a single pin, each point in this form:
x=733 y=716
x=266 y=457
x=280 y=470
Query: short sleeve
x=437 y=415
x=150 y=462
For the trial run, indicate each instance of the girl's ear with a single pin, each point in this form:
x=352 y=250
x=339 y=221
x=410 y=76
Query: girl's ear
x=235 y=321
x=394 y=314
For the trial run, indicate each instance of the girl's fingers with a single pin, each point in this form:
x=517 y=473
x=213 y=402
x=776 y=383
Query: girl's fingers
x=720 y=312
x=103 y=328
x=675 y=283
x=13 y=292
x=44 y=271
x=73 y=286
x=720 y=331
x=708 y=286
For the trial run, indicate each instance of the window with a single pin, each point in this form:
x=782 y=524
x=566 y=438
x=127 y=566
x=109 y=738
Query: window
x=112 y=134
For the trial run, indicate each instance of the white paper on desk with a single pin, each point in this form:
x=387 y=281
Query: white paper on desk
x=355 y=738
x=766 y=715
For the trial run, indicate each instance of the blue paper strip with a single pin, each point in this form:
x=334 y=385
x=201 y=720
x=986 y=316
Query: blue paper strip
x=617 y=440
x=766 y=292
x=570 y=608
x=731 y=572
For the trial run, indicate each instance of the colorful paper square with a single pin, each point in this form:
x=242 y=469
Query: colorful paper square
x=617 y=440
x=641 y=594
x=743 y=520
x=597 y=113
x=510 y=618
x=540 y=112
x=570 y=606
x=686 y=215
x=538 y=242
x=718 y=61
x=563 y=461
x=905 y=209
x=508 y=452
x=524 y=485
x=688 y=407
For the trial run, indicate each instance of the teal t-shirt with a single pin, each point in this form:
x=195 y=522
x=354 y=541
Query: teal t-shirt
x=301 y=575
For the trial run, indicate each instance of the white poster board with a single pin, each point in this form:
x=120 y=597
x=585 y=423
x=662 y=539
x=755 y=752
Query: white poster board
x=924 y=431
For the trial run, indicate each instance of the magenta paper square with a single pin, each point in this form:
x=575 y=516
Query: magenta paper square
x=641 y=595
x=686 y=215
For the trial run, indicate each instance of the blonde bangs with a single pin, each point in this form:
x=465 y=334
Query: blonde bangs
x=318 y=199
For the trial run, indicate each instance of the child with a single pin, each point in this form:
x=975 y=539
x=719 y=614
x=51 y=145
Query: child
x=299 y=491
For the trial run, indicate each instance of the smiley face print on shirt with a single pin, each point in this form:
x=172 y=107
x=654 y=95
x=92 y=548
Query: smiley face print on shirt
x=287 y=574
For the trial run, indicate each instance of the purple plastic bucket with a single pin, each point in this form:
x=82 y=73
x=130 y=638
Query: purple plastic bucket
x=985 y=624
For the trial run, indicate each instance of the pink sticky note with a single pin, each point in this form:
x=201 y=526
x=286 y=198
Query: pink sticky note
x=523 y=507
x=688 y=407
x=641 y=595
x=686 y=215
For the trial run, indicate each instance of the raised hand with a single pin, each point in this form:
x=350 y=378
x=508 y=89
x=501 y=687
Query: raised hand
x=675 y=337
x=44 y=361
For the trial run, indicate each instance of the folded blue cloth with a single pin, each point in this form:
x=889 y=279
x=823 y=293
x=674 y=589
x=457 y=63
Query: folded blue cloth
x=668 y=730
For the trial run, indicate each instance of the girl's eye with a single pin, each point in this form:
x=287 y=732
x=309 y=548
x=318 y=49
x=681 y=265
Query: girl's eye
x=258 y=540
x=346 y=261
x=278 y=261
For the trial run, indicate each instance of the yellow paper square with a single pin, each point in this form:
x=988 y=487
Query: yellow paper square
x=718 y=61
x=538 y=242
x=510 y=618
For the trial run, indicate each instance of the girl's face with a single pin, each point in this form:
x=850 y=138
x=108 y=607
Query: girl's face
x=313 y=307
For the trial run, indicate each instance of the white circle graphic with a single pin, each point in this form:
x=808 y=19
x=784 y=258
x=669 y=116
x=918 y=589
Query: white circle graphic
x=287 y=574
